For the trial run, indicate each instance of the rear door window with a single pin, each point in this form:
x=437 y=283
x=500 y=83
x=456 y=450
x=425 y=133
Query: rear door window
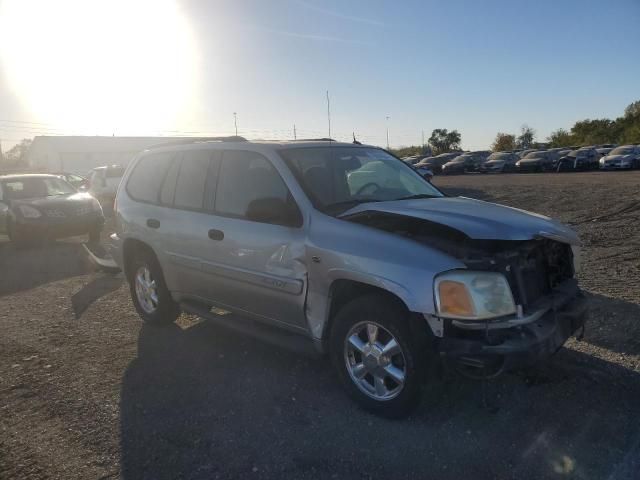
x=192 y=180
x=147 y=176
x=168 y=188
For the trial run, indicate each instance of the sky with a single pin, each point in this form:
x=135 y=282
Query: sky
x=183 y=67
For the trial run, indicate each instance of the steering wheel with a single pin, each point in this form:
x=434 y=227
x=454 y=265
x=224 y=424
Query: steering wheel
x=367 y=185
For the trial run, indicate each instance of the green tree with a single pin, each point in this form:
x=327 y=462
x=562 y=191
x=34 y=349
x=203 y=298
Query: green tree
x=16 y=156
x=526 y=138
x=560 y=138
x=629 y=127
x=412 y=150
x=593 y=132
x=504 y=142
x=442 y=140
x=632 y=109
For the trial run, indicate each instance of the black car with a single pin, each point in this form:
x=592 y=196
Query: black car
x=467 y=162
x=33 y=207
x=435 y=163
x=579 y=160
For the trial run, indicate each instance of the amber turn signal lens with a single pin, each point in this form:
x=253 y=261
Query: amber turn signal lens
x=455 y=299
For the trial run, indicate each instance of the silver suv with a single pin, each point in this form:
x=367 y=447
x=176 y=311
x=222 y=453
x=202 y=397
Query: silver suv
x=350 y=248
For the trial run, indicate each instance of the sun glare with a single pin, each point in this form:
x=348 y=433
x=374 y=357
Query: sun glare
x=98 y=66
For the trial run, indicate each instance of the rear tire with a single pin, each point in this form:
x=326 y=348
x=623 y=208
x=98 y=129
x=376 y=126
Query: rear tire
x=363 y=369
x=149 y=293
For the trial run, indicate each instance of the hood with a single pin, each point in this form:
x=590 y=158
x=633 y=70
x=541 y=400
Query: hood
x=61 y=202
x=616 y=157
x=453 y=164
x=530 y=160
x=475 y=218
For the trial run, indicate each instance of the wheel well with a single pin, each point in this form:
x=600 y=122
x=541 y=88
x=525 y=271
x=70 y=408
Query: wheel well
x=343 y=291
x=130 y=249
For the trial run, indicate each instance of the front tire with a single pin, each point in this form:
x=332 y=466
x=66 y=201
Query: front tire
x=380 y=364
x=149 y=292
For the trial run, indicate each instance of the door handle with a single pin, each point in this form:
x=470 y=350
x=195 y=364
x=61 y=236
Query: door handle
x=216 y=234
x=153 y=223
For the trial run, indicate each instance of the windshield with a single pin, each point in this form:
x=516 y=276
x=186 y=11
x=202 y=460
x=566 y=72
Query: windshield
x=621 y=151
x=33 y=187
x=460 y=159
x=499 y=156
x=535 y=155
x=115 y=172
x=335 y=179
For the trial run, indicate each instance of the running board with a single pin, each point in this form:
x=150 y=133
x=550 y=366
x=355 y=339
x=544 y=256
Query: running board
x=101 y=259
x=278 y=337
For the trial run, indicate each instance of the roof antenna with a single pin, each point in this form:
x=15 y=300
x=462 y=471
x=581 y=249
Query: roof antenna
x=356 y=142
x=329 y=113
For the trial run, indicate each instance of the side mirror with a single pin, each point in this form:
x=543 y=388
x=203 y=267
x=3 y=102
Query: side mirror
x=274 y=210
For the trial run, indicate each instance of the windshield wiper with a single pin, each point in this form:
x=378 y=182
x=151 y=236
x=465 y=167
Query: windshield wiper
x=347 y=204
x=417 y=196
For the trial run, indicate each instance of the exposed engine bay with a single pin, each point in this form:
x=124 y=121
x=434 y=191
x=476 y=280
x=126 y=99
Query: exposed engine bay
x=533 y=267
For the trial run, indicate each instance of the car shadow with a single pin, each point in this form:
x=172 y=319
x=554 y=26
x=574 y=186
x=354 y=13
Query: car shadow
x=92 y=291
x=613 y=324
x=23 y=269
x=204 y=402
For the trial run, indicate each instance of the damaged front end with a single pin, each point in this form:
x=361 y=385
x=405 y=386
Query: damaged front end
x=539 y=307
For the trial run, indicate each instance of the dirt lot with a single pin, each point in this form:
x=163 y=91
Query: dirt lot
x=86 y=391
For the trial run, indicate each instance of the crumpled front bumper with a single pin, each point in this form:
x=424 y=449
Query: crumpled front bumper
x=518 y=346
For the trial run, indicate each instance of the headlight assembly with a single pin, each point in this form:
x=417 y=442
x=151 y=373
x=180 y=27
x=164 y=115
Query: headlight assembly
x=468 y=295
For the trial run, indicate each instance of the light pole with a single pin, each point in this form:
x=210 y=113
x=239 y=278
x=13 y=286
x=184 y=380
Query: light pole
x=387 y=117
x=235 y=122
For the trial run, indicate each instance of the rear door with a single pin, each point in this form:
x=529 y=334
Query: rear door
x=186 y=200
x=255 y=266
x=4 y=212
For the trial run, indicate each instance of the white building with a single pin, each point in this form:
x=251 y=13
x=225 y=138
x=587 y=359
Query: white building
x=81 y=154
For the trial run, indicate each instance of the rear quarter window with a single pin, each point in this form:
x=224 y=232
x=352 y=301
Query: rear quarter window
x=146 y=179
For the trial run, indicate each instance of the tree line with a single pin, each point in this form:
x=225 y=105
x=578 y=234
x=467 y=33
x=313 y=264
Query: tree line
x=623 y=130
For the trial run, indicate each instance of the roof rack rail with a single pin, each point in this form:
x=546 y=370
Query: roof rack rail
x=314 y=140
x=188 y=140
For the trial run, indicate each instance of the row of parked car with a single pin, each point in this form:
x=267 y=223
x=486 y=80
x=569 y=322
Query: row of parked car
x=604 y=157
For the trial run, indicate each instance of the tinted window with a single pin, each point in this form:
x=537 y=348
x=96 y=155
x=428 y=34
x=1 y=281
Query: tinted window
x=169 y=184
x=146 y=178
x=245 y=177
x=192 y=179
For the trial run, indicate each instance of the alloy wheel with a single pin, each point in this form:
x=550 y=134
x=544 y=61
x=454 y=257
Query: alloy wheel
x=375 y=361
x=146 y=290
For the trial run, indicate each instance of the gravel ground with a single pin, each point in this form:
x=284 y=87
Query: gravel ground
x=86 y=391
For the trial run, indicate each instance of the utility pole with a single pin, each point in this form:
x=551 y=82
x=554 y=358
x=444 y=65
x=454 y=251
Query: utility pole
x=422 y=141
x=329 y=113
x=294 y=132
x=387 y=117
x=235 y=122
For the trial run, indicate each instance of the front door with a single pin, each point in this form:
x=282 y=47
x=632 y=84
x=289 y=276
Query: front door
x=255 y=265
